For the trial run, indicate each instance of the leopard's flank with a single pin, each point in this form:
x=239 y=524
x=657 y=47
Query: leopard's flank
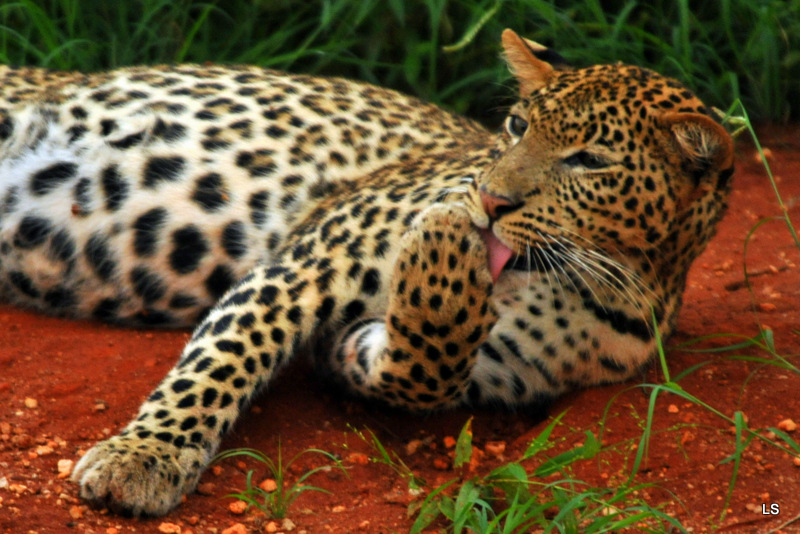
x=420 y=259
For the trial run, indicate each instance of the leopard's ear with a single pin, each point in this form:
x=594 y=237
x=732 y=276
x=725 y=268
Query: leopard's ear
x=705 y=146
x=525 y=64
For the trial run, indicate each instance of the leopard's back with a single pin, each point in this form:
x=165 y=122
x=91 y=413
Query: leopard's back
x=142 y=194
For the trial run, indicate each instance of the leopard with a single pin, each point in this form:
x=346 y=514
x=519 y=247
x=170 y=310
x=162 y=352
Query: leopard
x=419 y=259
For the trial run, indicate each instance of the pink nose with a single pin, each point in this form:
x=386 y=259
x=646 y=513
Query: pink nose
x=494 y=205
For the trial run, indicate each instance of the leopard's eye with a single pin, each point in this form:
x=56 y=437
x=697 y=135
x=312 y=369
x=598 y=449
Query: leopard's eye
x=516 y=125
x=586 y=160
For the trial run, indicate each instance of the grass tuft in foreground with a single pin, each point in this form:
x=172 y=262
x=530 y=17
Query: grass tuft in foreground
x=445 y=52
x=275 y=503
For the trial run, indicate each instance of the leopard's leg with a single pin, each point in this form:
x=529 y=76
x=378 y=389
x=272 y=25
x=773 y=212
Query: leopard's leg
x=420 y=355
x=159 y=456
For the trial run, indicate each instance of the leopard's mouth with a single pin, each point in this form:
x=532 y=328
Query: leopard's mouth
x=499 y=254
x=502 y=258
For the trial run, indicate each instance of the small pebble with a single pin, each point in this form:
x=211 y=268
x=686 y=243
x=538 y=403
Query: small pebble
x=357 y=458
x=237 y=507
x=206 y=488
x=31 y=403
x=413 y=446
x=44 y=450
x=767 y=154
x=64 y=467
x=269 y=485
x=441 y=464
x=787 y=425
x=169 y=528
x=236 y=528
x=495 y=448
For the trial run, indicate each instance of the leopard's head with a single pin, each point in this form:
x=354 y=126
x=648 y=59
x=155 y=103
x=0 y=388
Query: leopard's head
x=608 y=169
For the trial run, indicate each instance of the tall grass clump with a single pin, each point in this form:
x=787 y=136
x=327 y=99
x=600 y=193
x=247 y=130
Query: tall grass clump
x=446 y=52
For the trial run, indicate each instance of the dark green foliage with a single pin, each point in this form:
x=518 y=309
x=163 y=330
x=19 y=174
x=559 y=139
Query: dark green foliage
x=724 y=50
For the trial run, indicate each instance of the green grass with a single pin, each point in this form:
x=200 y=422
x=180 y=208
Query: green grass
x=726 y=50
x=275 y=504
x=512 y=498
x=540 y=491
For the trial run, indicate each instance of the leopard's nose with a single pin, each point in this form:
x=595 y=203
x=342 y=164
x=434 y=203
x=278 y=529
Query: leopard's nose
x=497 y=205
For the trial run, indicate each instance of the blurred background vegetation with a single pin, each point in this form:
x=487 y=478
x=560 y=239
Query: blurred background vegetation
x=725 y=50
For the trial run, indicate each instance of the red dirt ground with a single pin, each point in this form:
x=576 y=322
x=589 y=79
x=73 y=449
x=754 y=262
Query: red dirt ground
x=65 y=384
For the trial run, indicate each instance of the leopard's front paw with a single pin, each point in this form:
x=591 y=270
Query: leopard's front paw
x=139 y=477
x=443 y=271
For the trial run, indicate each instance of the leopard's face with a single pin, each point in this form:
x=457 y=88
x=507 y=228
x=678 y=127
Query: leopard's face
x=608 y=167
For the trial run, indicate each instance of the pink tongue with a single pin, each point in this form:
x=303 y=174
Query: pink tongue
x=499 y=254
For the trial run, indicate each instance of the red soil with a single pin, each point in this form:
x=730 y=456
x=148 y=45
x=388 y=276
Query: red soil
x=65 y=384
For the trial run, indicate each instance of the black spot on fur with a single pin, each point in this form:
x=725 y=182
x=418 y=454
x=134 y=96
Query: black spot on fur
x=247 y=321
x=99 y=256
x=106 y=309
x=192 y=356
x=238 y=298
x=325 y=309
x=620 y=321
x=234 y=240
x=222 y=324
x=48 y=179
x=181 y=385
x=10 y=200
x=182 y=301
x=76 y=132
x=107 y=126
x=115 y=188
x=371 y=282
x=32 y=232
x=218 y=282
x=189 y=248
x=82 y=197
x=224 y=372
x=62 y=246
x=210 y=192
x=24 y=284
x=267 y=295
x=352 y=311
x=169 y=132
x=6 y=128
x=215 y=144
x=209 y=396
x=128 y=141
x=275 y=132
x=160 y=170
x=146 y=229
x=612 y=365
x=147 y=285
x=258 y=207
